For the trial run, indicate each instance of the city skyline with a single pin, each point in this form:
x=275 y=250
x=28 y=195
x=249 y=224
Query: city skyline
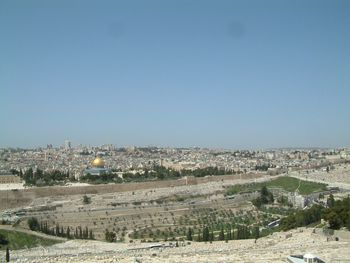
x=81 y=146
x=233 y=75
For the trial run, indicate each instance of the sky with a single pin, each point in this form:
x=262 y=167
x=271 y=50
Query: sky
x=219 y=74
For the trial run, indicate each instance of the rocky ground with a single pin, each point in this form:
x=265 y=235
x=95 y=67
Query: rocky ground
x=117 y=208
x=339 y=176
x=134 y=209
x=274 y=248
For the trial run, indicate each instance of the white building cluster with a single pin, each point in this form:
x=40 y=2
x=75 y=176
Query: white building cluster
x=76 y=160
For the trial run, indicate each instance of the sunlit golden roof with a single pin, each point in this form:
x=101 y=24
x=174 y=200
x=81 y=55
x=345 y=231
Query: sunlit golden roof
x=98 y=162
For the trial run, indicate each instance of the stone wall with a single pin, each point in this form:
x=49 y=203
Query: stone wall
x=9 y=179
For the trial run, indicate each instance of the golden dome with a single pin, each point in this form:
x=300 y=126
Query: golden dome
x=98 y=163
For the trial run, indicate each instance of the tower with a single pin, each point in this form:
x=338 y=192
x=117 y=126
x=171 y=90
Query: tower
x=67 y=145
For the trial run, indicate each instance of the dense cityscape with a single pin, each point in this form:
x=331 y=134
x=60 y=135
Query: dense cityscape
x=75 y=160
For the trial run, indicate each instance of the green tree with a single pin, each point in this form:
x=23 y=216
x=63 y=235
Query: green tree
x=242 y=232
x=199 y=236
x=86 y=200
x=7 y=255
x=57 y=230
x=86 y=233
x=266 y=197
x=228 y=233
x=28 y=177
x=33 y=224
x=239 y=233
x=68 y=233
x=91 y=235
x=302 y=218
x=189 y=234
x=334 y=220
x=3 y=240
x=257 y=202
x=211 y=236
x=221 y=234
x=264 y=191
x=330 y=201
x=110 y=236
x=205 y=234
x=14 y=172
x=256 y=232
x=62 y=232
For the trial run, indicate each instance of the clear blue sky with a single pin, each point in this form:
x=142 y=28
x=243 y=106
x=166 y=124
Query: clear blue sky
x=231 y=74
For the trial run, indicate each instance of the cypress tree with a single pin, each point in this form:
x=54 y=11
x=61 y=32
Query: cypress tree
x=57 y=230
x=249 y=232
x=189 y=234
x=239 y=232
x=7 y=255
x=205 y=234
x=91 y=236
x=256 y=232
x=229 y=233
x=86 y=236
x=211 y=236
x=45 y=230
x=221 y=234
x=68 y=232
x=199 y=237
x=244 y=232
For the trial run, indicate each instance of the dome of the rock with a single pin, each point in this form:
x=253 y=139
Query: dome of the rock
x=98 y=163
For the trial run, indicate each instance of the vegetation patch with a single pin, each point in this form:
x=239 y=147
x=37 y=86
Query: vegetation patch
x=19 y=240
x=286 y=183
x=206 y=224
x=265 y=197
x=291 y=184
x=80 y=232
x=337 y=214
x=179 y=198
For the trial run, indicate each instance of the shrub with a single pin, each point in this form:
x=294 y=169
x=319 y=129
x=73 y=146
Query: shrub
x=33 y=224
x=3 y=240
x=86 y=200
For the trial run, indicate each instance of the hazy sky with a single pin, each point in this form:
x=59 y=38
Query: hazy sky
x=232 y=74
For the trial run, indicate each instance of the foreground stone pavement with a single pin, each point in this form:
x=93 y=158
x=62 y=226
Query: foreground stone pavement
x=274 y=248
